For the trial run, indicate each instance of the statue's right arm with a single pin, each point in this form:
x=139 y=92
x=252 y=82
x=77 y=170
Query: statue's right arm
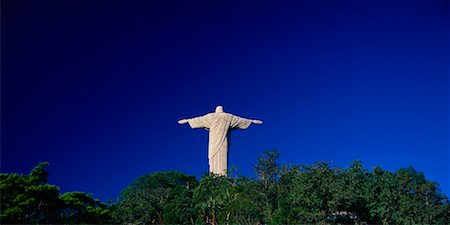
x=184 y=121
x=198 y=122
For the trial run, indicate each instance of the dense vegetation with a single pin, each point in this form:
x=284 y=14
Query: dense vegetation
x=29 y=199
x=314 y=194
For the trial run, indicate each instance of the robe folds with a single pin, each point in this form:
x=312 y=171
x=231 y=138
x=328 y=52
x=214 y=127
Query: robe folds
x=219 y=125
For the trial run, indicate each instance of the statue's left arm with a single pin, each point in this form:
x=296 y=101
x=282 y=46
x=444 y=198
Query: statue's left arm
x=242 y=123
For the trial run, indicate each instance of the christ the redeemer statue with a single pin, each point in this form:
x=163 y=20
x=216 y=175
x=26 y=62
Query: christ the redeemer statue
x=219 y=125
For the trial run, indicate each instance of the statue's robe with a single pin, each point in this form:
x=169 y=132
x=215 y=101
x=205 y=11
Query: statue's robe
x=219 y=125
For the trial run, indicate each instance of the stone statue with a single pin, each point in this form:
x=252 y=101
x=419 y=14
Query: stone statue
x=219 y=124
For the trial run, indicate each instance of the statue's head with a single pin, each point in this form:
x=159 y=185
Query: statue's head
x=219 y=109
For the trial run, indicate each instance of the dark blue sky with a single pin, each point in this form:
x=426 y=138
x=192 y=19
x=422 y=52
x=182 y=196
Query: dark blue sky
x=96 y=87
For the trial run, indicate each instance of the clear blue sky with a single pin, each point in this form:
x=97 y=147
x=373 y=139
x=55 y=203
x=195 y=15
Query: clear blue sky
x=96 y=87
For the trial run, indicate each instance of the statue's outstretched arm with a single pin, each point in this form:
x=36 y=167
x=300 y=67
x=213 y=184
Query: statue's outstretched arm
x=197 y=122
x=257 y=121
x=242 y=123
x=183 y=121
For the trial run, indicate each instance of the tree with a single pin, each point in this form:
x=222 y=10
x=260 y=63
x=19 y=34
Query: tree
x=212 y=199
x=144 y=200
x=180 y=208
x=29 y=199
x=268 y=172
x=348 y=202
x=79 y=207
x=306 y=192
x=267 y=169
x=420 y=200
x=404 y=197
x=250 y=204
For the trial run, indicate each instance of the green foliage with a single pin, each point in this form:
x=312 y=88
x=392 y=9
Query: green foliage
x=224 y=200
x=212 y=198
x=267 y=168
x=79 y=207
x=268 y=172
x=29 y=199
x=144 y=200
x=250 y=204
x=307 y=194
x=180 y=208
x=404 y=197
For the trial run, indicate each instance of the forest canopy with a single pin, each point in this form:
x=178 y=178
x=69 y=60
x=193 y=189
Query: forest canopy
x=279 y=194
x=30 y=199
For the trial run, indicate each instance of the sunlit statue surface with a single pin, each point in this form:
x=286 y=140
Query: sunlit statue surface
x=219 y=124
